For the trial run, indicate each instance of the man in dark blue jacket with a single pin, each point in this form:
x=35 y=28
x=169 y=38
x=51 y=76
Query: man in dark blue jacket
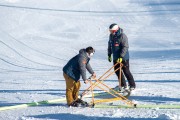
x=75 y=68
x=118 y=46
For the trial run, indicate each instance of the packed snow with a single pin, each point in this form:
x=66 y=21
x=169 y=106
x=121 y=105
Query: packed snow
x=37 y=38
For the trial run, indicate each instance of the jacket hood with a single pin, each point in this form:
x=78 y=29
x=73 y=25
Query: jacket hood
x=83 y=53
x=119 y=32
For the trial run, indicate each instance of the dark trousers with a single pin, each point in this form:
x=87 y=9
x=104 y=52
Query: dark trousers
x=123 y=81
x=126 y=72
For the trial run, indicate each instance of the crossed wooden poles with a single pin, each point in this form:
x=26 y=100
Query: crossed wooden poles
x=99 y=83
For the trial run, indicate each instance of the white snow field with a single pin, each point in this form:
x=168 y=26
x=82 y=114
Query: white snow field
x=37 y=38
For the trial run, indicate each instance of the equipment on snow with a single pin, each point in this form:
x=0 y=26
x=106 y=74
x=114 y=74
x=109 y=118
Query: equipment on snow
x=99 y=83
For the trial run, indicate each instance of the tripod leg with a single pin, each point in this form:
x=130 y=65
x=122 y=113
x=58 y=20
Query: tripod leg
x=92 y=92
x=97 y=82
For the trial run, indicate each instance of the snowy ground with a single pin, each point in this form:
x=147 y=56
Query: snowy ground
x=38 y=38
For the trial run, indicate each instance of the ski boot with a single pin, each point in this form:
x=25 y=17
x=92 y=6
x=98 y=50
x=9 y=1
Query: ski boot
x=132 y=88
x=82 y=103
x=74 y=104
x=120 y=90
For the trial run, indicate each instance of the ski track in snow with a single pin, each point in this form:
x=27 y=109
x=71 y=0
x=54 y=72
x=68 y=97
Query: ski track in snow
x=37 y=39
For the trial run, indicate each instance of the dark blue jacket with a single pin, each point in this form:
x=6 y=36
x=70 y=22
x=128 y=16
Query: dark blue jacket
x=118 y=45
x=77 y=66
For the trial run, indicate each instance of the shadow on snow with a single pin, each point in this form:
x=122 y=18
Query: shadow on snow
x=66 y=116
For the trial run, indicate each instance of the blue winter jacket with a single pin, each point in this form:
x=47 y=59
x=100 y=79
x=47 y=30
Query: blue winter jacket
x=118 y=45
x=77 y=66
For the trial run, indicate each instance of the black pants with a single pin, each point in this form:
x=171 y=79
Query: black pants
x=126 y=72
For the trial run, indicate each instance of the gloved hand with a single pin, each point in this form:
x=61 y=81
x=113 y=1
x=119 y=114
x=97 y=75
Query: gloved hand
x=119 y=60
x=109 y=58
x=94 y=75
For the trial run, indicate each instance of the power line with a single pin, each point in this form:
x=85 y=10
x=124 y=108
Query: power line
x=83 y=11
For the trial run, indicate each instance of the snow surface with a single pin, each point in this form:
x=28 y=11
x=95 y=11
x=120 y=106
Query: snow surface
x=38 y=38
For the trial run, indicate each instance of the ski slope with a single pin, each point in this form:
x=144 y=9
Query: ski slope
x=38 y=38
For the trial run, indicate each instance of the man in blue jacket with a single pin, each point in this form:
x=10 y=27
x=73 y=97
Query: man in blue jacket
x=118 y=46
x=75 y=68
